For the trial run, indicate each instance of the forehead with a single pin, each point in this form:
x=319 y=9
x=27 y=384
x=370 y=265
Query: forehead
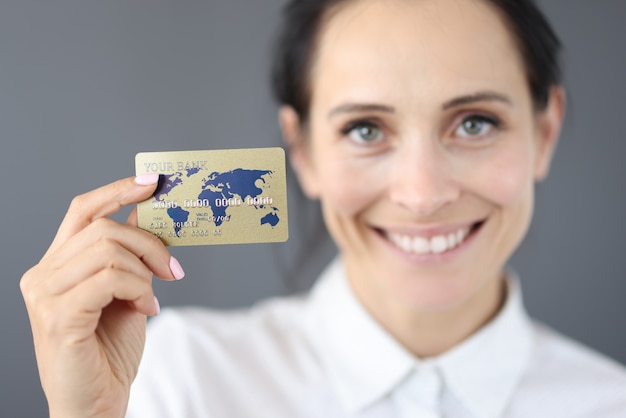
x=443 y=46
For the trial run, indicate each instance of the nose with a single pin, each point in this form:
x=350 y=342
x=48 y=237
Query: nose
x=422 y=179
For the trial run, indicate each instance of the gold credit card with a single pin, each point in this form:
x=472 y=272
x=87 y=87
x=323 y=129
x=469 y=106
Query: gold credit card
x=230 y=196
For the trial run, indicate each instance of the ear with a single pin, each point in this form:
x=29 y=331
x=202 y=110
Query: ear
x=549 y=123
x=298 y=150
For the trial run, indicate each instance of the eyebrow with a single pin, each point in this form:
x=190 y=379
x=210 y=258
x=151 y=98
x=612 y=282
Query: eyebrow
x=360 y=108
x=459 y=101
x=485 y=96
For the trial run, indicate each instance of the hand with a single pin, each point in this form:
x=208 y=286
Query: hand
x=88 y=299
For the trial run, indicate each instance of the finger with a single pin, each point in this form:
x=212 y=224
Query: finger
x=125 y=286
x=132 y=218
x=144 y=245
x=103 y=202
x=79 y=310
x=91 y=296
x=102 y=255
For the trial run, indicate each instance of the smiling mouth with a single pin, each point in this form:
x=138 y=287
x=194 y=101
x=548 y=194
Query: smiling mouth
x=437 y=244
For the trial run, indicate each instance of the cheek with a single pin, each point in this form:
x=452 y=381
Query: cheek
x=347 y=187
x=505 y=178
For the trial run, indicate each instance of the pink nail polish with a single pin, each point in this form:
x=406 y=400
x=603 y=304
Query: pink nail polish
x=176 y=269
x=147 y=179
x=157 y=306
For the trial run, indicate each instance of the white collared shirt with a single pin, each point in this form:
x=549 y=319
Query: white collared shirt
x=323 y=355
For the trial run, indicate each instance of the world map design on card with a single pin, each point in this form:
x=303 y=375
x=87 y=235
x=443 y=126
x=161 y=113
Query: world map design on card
x=216 y=197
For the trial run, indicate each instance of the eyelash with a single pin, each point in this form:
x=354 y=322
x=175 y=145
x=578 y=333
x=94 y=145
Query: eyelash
x=361 y=123
x=493 y=122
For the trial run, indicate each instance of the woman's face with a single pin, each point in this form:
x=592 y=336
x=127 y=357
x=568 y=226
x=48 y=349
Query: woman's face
x=423 y=147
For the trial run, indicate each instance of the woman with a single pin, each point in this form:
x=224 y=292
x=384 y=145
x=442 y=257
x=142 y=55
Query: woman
x=422 y=127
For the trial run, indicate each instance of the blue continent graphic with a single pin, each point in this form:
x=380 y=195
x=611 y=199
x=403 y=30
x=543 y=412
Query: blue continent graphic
x=167 y=182
x=238 y=182
x=218 y=211
x=178 y=215
x=270 y=218
x=192 y=171
x=217 y=185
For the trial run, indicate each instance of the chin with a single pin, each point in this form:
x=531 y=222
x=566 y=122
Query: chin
x=434 y=292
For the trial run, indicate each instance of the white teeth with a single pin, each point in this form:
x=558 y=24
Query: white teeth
x=435 y=245
x=452 y=241
x=438 y=244
x=460 y=236
x=421 y=245
x=405 y=243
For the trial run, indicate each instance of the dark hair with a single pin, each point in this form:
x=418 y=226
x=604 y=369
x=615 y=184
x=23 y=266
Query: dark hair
x=302 y=19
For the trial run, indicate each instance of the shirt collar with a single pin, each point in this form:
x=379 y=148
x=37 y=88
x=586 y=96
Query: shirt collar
x=484 y=370
x=365 y=364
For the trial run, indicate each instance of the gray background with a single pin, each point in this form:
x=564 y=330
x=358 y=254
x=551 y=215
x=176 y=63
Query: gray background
x=86 y=84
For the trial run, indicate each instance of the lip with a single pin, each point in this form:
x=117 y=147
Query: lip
x=475 y=228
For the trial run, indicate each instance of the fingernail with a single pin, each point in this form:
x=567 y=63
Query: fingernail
x=176 y=269
x=157 y=306
x=147 y=179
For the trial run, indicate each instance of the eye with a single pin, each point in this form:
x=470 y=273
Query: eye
x=476 y=125
x=364 y=132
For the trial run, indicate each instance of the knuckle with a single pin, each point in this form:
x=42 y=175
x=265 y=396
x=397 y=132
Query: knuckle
x=101 y=229
x=25 y=280
x=30 y=295
x=37 y=303
x=109 y=253
x=107 y=248
x=77 y=204
x=102 y=225
x=29 y=290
